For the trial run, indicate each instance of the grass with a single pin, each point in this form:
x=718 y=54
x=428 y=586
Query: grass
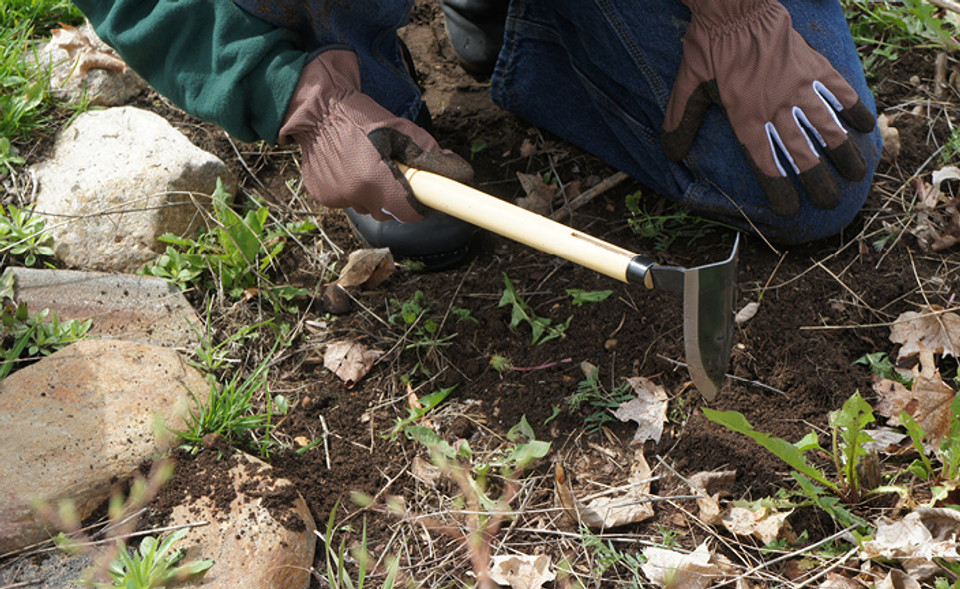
x=25 y=108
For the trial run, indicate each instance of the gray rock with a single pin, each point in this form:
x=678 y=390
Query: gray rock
x=143 y=309
x=50 y=570
x=78 y=421
x=119 y=178
x=82 y=66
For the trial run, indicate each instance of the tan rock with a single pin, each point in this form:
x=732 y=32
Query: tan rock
x=78 y=421
x=265 y=539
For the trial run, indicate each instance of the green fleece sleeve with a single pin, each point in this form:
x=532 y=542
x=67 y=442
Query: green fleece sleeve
x=209 y=57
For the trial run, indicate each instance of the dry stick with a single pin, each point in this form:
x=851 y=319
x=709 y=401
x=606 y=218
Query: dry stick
x=940 y=75
x=756 y=383
x=876 y=325
x=947 y=5
x=873 y=311
x=326 y=445
x=788 y=556
x=829 y=569
x=588 y=195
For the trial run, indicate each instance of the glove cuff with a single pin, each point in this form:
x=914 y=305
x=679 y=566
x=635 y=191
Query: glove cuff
x=725 y=16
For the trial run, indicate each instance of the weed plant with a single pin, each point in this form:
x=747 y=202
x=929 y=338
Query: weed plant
x=598 y=402
x=885 y=29
x=336 y=558
x=23 y=234
x=542 y=329
x=229 y=411
x=153 y=566
x=234 y=256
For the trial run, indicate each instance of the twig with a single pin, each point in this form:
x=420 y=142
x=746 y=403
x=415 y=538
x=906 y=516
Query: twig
x=541 y=366
x=326 y=444
x=23 y=584
x=788 y=556
x=850 y=290
x=947 y=5
x=830 y=568
x=756 y=383
x=588 y=195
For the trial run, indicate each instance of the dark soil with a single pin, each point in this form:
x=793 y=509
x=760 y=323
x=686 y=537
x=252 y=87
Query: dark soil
x=794 y=361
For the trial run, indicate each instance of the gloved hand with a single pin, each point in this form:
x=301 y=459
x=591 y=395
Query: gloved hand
x=350 y=143
x=778 y=93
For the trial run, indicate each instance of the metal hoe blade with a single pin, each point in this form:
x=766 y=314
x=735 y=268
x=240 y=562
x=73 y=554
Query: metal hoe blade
x=709 y=296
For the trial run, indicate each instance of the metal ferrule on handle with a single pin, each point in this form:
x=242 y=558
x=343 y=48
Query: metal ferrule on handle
x=500 y=217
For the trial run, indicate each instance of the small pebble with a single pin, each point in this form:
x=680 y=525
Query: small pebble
x=336 y=300
x=610 y=344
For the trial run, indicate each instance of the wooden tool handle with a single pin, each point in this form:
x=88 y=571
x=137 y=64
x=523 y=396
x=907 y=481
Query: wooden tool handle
x=491 y=213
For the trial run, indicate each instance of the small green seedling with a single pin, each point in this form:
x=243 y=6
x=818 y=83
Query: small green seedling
x=542 y=328
x=476 y=147
x=153 y=566
x=23 y=234
x=427 y=404
x=422 y=330
x=336 y=558
x=600 y=402
x=580 y=297
x=881 y=365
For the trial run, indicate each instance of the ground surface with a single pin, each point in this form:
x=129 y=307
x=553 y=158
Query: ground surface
x=823 y=306
x=801 y=345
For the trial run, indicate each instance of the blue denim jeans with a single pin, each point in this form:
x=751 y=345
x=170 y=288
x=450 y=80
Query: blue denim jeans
x=598 y=73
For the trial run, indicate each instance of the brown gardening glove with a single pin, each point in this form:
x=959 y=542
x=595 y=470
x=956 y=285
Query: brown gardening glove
x=778 y=93
x=350 y=143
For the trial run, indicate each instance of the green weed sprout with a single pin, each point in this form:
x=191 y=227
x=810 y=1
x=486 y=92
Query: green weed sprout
x=153 y=566
x=542 y=328
x=236 y=254
x=427 y=404
x=581 y=297
x=846 y=449
x=229 y=412
x=336 y=560
x=22 y=332
x=590 y=393
x=22 y=234
x=422 y=330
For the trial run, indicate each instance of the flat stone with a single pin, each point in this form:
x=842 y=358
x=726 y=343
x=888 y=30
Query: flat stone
x=78 y=421
x=264 y=540
x=143 y=309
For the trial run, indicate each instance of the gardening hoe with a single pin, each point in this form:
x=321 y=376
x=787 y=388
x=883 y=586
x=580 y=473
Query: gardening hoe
x=709 y=292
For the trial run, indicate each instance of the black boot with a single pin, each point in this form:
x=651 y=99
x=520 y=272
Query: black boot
x=475 y=28
x=438 y=242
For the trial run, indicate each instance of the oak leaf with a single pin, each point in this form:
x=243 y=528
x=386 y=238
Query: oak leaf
x=648 y=409
x=521 y=571
x=939 y=332
x=629 y=505
x=349 y=360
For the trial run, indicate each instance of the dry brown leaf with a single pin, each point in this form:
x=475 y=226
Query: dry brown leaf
x=675 y=570
x=427 y=472
x=349 y=360
x=766 y=524
x=82 y=49
x=922 y=535
x=648 y=409
x=928 y=402
x=891 y=138
x=836 y=581
x=939 y=332
x=539 y=194
x=367 y=268
x=521 y=571
x=527 y=148
x=610 y=511
x=897 y=579
x=746 y=313
x=713 y=484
